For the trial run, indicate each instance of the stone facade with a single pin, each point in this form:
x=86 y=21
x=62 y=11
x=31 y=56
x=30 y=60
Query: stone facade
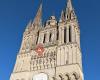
x=61 y=59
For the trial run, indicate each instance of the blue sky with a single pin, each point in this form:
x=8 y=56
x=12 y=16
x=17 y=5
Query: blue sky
x=15 y=14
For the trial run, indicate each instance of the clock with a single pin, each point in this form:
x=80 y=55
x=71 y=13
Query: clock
x=39 y=49
x=41 y=76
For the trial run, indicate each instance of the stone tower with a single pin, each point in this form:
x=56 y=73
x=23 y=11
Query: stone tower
x=50 y=51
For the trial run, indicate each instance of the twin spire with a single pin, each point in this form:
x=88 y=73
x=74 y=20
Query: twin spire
x=65 y=15
x=69 y=13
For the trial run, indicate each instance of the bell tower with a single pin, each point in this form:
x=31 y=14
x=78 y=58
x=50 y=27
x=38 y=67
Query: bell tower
x=50 y=51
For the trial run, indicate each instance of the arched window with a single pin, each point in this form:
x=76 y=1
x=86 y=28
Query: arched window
x=67 y=16
x=65 y=35
x=75 y=76
x=37 y=37
x=57 y=34
x=44 y=39
x=61 y=78
x=70 y=39
x=70 y=15
x=50 y=37
x=67 y=77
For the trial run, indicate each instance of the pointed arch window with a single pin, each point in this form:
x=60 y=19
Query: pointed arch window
x=65 y=35
x=75 y=76
x=37 y=37
x=60 y=76
x=70 y=37
x=70 y=15
x=57 y=34
x=50 y=37
x=67 y=76
x=67 y=16
x=44 y=39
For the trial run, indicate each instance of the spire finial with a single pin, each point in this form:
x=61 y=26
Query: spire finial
x=41 y=3
x=69 y=4
x=62 y=16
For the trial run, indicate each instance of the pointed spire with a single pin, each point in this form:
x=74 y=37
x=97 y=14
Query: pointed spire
x=69 y=5
x=70 y=14
x=38 y=16
x=62 y=16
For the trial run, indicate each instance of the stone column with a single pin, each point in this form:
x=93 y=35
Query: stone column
x=73 y=33
x=58 y=56
x=47 y=37
x=62 y=36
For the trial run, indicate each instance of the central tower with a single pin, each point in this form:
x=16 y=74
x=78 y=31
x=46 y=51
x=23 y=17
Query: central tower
x=50 y=51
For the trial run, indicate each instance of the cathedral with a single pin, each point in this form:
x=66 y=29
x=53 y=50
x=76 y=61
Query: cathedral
x=50 y=51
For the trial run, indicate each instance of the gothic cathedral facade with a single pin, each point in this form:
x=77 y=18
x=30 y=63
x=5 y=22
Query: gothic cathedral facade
x=50 y=51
